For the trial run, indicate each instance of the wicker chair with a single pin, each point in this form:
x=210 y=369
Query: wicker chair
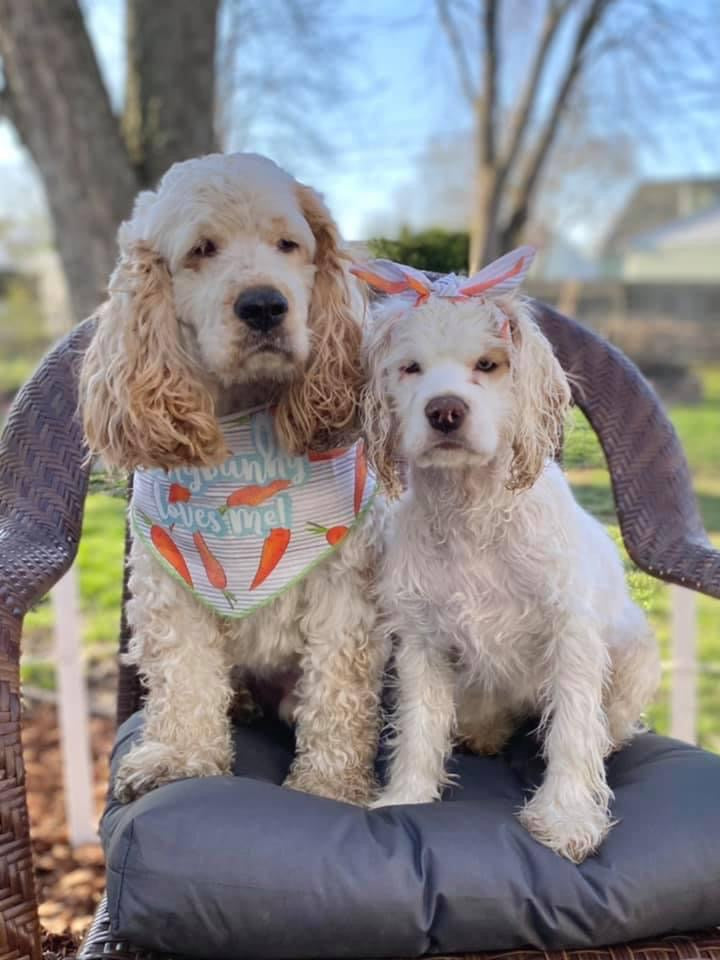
x=43 y=483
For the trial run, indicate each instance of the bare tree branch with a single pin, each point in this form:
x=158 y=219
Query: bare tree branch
x=459 y=50
x=491 y=67
x=531 y=91
x=524 y=196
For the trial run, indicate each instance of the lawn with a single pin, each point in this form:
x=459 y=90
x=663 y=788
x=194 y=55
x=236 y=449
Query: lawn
x=100 y=558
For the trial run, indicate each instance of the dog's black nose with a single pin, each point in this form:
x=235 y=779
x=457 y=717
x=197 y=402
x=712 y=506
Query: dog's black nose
x=445 y=413
x=261 y=308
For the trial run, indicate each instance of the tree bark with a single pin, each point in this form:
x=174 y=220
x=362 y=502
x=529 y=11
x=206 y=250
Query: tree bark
x=169 y=107
x=55 y=97
x=486 y=200
x=483 y=226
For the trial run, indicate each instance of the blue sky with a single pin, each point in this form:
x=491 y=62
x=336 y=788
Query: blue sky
x=404 y=92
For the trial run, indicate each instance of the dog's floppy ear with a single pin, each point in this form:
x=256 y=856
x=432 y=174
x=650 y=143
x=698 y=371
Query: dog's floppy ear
x=542 y=396
x=325 y=401
x=142 y=401
x=379 y=426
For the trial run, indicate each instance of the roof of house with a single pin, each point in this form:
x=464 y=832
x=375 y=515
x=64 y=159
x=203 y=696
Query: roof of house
x=700 y=229
x=657 y=203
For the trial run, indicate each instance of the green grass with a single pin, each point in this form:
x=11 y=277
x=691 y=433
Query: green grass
x=14 y=373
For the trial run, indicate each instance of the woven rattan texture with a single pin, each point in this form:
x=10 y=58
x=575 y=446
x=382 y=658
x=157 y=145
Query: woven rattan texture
x=656 y=507
x=43 y=481
x=100 y=945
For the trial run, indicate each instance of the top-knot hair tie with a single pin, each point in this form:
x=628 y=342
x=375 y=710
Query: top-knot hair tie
x=396 y=279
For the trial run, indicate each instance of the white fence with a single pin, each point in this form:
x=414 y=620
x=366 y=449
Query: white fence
x=684 y=665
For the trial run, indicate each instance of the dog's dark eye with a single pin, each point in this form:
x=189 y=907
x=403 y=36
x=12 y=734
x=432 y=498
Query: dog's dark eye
x=411 y=368
x=485 y=366
x=206 y=248
x=287 y=246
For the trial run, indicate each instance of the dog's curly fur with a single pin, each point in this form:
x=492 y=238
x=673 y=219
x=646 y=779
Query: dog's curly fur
x=168 y=358
x=507 y=599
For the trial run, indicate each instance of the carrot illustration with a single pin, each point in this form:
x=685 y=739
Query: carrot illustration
x=169 y=550
x=178 y=493
x=319 y=456
x=360 y=475
x=213 y=568
x=253 y=496
x=333 y=535
x=276 y=543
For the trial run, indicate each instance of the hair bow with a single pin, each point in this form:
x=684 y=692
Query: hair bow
x=397 y=279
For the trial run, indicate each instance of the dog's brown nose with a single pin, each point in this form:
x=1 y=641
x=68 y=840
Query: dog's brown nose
x=261 y=308
x=445 y=413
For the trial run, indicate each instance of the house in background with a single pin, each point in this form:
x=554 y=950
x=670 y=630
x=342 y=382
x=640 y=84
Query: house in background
x=669 y=232
x=685 y=251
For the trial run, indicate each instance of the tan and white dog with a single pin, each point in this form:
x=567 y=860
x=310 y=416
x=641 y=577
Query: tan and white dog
x=232 y=292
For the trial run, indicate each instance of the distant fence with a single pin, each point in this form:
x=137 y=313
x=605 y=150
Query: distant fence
x=653 y=323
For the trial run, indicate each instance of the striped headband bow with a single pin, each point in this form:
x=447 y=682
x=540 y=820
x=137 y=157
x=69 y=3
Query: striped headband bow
x=396 y=279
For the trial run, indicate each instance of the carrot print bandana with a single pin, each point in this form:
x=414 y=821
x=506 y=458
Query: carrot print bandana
x=240 y=533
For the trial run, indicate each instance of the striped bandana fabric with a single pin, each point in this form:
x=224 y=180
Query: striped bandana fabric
x=240 y=533
x=397 y=279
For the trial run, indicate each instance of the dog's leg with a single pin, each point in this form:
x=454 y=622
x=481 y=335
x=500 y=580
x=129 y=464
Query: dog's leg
x=484 y=722
x=569 y=811
x=635 y=678
x=181 y=655
x=423 y=723
x=337 y=711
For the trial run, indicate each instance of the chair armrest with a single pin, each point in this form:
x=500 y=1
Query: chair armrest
x=43 y=479
x=658 y=513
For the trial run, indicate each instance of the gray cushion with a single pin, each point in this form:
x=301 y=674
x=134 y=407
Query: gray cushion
x=239 y=867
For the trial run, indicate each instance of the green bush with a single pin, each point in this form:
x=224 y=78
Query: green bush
x=443 y=251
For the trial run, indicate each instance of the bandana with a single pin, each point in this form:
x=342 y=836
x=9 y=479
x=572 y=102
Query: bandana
x=396 y=279
x=239 y=534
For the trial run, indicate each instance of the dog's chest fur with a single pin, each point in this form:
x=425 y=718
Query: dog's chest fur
x=455 y=581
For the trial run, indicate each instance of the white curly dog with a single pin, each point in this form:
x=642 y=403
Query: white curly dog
x=506 y=598
x=232 y=292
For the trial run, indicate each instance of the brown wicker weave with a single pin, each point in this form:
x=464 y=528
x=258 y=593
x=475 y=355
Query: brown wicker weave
x=43 y=482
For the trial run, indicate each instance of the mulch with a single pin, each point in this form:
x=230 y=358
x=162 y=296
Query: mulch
x=69 y=882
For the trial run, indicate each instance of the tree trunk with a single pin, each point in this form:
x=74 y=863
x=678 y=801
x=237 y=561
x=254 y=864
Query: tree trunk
x=55 y=97
x=484 y=239
x=56 y=100
x=169 y=107
x=483 y=223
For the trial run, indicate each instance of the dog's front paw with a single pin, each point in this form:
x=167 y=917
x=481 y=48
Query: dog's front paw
x=350 y=786
x=153 y=764
x=573 y=830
